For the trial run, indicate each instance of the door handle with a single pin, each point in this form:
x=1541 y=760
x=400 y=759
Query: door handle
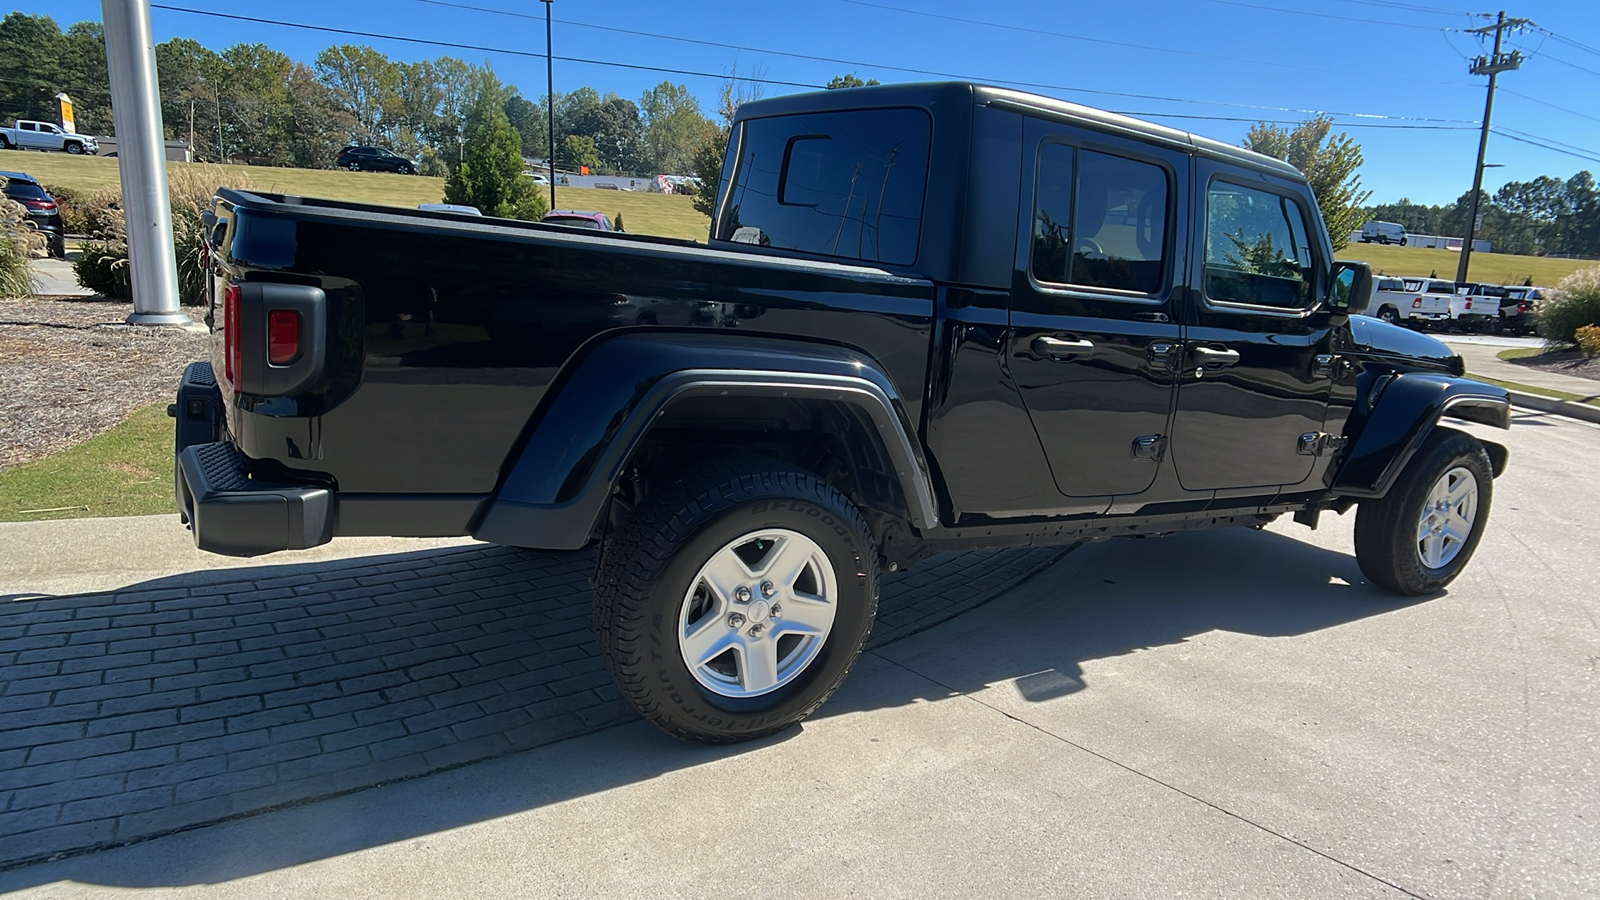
x=1061 y=348
x=1211 y=356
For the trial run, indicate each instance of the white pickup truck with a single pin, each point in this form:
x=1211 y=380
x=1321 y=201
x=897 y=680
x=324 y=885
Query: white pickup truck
x=1413 y=302
x=28 y=135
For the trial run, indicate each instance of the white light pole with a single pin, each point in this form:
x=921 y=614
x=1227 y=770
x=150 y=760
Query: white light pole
x=142 y=161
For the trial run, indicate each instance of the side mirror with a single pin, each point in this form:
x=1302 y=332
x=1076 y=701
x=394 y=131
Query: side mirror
x=1351 y=289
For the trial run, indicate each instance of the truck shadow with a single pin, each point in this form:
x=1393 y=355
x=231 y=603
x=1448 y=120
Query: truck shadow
x=463 y=675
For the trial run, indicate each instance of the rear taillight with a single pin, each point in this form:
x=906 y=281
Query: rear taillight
x=233 y=339
x=1417 y=303
x=283 y=336
x=40 y=205
x=1522 y=308
x=1469 y=303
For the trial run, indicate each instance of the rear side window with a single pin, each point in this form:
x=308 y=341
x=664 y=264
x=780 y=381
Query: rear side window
x=1099 y=220
x=1439 y=287
x=1257 y=248
x=844 y=184
x=25 y=190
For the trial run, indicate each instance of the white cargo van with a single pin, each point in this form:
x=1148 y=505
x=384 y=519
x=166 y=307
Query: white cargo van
x=1383 y=233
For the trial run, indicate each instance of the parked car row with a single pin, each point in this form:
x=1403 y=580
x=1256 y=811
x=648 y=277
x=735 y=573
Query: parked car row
x=1432 y=303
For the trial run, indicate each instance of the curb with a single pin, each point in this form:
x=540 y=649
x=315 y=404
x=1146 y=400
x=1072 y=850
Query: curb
x=1582 y=411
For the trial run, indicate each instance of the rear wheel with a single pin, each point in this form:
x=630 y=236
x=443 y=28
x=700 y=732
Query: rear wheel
x=355 y=167
x=734 y=602
x=58 y=246
x=5 y=142
x=1417 y=539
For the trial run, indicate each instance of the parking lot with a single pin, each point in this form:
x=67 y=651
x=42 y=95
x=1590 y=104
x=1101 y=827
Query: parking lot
x=1226 y=714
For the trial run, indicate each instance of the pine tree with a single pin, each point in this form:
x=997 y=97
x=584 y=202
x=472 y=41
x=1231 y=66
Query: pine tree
x=489 y=175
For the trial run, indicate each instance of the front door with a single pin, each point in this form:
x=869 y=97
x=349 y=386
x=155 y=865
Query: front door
x=1257 y=366
x=1094 y=338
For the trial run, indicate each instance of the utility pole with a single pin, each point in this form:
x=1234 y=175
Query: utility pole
x=1491 y=66
x=550 y=94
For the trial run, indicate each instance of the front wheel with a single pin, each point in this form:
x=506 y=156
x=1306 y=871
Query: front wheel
x=735 y=600
x=1417 y=539
x=1388 y=314
x=75 y=149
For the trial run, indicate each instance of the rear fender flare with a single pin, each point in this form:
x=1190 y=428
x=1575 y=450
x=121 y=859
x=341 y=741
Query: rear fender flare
x=1404 y=412
x=555 y=484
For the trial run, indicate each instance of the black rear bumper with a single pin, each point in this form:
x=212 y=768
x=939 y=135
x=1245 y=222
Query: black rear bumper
x=228 y=511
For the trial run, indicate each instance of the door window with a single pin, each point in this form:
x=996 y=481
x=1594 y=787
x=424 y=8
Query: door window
x=1099 y=221
x=1257 y=248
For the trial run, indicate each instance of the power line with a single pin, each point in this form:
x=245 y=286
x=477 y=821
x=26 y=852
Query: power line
x=1093 y=40
x=480 y=49
x=1547 y=140
x=1302 y=12
x=1412 y=7
x=1563 y=39
x=1159 y=115
x=1574 y=112
x=1553 y=149
x=1557 y=59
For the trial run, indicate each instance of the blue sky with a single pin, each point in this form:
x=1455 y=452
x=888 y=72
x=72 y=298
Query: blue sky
x=1235 y=59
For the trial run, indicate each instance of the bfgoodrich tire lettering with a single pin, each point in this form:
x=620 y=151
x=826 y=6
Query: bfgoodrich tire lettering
x=647 y=577
x=1417 y=539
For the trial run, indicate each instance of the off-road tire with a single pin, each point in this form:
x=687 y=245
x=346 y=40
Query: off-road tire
x=646 y=570
x=1386 y=528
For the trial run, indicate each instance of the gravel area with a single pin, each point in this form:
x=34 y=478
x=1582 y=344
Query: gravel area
x=70 y=369
x=1569 y=362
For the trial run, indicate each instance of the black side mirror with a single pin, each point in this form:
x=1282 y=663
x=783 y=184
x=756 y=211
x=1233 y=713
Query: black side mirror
x=1351 y=289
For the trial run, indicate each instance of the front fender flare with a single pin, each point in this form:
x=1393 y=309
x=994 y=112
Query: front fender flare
x=555 y=487
x=1404 y=411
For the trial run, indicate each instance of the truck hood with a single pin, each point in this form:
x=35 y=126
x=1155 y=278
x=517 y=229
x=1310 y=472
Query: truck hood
x=1392 y=342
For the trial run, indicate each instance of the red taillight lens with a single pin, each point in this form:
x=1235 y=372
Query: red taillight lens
x=1469 y=303
x=232 y=340
x=41 y=205
x=1417 y=303
x=283 y=336
x=1522 y=308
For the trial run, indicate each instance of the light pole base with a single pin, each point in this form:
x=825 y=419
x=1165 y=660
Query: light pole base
x=158 y=319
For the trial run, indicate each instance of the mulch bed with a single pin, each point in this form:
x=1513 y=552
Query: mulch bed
x=71 y=369
x=1565 y=362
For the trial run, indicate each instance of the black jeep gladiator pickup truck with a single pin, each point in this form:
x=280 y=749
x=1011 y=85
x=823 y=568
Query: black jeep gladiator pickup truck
x=928 y=317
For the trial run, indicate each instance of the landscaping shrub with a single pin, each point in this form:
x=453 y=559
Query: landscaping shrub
x=1589 y=341
x=104 y=269
x=1574 y=303
x=18 y=244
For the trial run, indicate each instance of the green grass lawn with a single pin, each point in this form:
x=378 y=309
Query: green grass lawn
x=125 y=472
x=665 y=215
x=1491 y=268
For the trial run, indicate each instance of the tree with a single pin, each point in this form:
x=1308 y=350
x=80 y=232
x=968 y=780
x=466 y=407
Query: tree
x=316 y=126
x=528 y=118
x=489 y=175
x=849 y=80
x=578 y=151
x=1329 y=164
x=619 y=138
x=364 y=81
x=674 y=128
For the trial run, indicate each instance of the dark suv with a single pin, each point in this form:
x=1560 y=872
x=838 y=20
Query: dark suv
x=44 y=213
x=374 y=159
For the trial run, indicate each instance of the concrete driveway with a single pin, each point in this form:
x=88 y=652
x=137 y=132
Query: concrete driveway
x=1227 y=714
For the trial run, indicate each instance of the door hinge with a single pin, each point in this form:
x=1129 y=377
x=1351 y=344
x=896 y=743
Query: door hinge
x=1316 y=443
x=1150 y=446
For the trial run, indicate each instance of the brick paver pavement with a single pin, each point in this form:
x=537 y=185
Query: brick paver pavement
x=132 y=714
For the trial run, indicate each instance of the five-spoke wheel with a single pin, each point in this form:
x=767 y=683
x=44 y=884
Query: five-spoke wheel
x=1419 y=537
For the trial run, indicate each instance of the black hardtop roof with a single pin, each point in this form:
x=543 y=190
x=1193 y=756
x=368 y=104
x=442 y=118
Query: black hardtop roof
x=925 y=94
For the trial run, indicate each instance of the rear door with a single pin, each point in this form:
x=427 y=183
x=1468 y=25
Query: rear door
x=1094 y=337
x=1257 y=367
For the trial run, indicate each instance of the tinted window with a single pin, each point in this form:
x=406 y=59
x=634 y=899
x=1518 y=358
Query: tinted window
x=1117 y=208
x=1439 y=287
x=575 y=222
x=846 y=184
x=1257 y=251
x=25 y=126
